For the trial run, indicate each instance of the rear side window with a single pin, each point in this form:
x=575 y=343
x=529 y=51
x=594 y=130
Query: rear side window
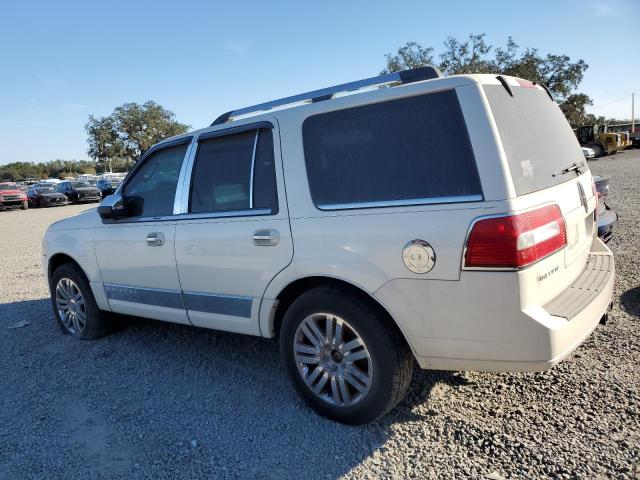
x=152 y=188
x=535 y=135
x=412 y=150
x=235 y=172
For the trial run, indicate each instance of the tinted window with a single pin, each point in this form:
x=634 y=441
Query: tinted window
x=401 y=150
x=152 y=189
x=535 y=135
x=224 y=169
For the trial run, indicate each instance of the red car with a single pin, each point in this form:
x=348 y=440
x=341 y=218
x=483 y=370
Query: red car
x=12 y=197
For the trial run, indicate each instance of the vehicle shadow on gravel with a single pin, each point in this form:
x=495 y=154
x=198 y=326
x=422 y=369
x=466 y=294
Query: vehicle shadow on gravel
x=14 y=313
x=167 y=400
x=630 y=301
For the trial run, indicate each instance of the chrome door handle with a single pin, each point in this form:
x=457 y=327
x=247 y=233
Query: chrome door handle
x=266 y=237
x=155 y=239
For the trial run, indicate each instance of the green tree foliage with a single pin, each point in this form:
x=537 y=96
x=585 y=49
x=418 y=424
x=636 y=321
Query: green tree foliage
x=474 y=55
x=129 y=131
x=54 y=169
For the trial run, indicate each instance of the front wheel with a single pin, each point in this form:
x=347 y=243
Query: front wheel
x=74 y=305
x=24 y=205
x=343 y=358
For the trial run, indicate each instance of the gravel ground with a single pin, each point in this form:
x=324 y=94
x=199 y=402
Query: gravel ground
x=158 y=401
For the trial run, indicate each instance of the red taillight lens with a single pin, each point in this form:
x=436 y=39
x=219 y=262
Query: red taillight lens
x=516 y=241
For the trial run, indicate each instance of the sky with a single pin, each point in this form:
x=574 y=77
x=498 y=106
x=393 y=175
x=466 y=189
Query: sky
x=62 y=61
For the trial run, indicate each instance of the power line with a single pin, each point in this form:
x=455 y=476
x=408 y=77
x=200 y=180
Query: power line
x=609 y=103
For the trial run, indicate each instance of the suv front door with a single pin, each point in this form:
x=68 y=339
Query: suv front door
x=233 y=236
x=136 y=254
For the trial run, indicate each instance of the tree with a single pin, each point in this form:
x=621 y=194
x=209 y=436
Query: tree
x=558 y=73
x=129 y=131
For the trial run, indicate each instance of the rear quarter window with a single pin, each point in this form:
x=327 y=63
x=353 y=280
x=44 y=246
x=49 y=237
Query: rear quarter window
x=411 y=150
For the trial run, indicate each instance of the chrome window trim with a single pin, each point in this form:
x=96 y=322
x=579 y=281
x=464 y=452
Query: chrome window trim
x=177 y=202
x=225 y=214
x=186 y=181
x=253 y=168
x=402 y=203
x=164 y=218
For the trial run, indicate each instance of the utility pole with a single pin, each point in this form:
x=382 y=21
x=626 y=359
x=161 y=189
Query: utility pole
x=633 y=113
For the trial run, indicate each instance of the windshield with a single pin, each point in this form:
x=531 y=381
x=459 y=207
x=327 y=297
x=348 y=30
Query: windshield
x=45 y=190
x=536 y=137
x=80 y=184
x=8 y=186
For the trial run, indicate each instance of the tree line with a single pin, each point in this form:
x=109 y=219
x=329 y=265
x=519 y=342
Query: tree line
x=117 y=140
x=17 y=171
x=557 y=72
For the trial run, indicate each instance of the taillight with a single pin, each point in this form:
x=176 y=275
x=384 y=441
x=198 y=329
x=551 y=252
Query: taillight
x=515 y=241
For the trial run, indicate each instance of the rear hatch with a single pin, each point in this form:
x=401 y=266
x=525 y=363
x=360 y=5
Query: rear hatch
x=547 y=167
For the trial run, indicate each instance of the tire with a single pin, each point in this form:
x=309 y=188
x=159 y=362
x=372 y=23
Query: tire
x=24 y=205
x=384 y=360
x=597 y=148
x=96 y=325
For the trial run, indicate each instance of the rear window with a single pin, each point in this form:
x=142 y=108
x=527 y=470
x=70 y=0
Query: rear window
x=412 y=150
x=536 y=137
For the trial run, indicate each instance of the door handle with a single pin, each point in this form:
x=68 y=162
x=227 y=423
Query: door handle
x=266 y=237
x=155 y=239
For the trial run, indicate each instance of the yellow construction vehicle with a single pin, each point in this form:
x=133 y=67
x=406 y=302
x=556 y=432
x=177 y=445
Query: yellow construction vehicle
x=597 y=138
x=626 y=140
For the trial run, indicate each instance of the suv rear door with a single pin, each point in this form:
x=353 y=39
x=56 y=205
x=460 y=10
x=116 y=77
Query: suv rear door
x=546 y=166
x=233 y=236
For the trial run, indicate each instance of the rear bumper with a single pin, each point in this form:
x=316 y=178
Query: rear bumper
x=483 y=328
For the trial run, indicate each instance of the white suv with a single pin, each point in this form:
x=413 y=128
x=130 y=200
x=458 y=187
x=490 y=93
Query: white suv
x=446 y=220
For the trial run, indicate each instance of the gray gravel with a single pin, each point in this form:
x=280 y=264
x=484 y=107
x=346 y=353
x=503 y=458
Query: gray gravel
x=157 y=400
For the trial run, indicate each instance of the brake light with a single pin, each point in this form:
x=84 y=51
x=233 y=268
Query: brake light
x=515 y=241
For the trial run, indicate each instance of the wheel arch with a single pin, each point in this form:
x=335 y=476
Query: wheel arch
x=293 y=290
x=59 y=259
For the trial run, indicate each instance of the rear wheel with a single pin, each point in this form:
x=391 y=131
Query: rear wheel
x=598 y=150
x=343 y=358
x=74 y=305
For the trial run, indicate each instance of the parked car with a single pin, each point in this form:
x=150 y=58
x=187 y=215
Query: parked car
x=79 y=192
x=607 y=218
x=46 y=197
x=588 y=152
x=108 y=185
x=430 y=222
x=12 y=197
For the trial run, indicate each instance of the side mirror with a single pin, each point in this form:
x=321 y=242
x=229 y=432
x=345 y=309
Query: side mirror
x=113 y=207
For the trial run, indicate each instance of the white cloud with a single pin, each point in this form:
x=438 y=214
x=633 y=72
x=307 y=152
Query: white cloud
x=75 y=107
x=237 y=48
x=604 y=9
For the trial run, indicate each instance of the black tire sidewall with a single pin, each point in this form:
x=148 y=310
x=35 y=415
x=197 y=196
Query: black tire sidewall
x=373 y=332
x=94 y=323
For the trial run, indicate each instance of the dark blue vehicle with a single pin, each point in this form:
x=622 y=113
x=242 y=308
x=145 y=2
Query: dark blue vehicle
x=108 y=186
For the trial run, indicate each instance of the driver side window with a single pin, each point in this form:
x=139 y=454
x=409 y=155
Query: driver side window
x=152 y=189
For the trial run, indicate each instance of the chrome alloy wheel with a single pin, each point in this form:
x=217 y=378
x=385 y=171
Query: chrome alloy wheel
x=332 y=359
x=70 y=305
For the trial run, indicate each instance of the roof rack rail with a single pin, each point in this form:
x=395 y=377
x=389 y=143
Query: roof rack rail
x=405 y=76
